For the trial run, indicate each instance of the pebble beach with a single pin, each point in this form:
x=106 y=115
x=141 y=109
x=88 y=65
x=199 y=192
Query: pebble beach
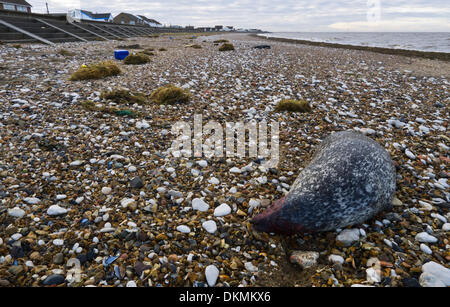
x=105 y=190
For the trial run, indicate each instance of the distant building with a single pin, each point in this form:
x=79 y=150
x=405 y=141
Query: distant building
x=86 y=15
x=204 y=29
x=150 y=22
x=15 y=5
x=228 y=28
x=128 y=19
x=219 y=28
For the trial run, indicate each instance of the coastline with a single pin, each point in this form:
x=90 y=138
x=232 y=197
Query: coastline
x=443 y=56
x=53 y=151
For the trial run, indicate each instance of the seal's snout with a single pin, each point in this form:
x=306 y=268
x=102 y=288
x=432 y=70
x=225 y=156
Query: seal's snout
x=268 y=221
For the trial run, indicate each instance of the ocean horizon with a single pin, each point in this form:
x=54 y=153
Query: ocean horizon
x=420 y=41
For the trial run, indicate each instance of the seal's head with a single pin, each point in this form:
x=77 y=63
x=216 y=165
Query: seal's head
x=271 y=220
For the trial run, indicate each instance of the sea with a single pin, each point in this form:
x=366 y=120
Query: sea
x=421 y=41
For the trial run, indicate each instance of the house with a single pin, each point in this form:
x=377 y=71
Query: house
x=15 y=5
x=128 y=19
x=150 y=22
x=86 y=15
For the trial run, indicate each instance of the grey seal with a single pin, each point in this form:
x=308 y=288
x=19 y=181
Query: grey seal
x=350 y=179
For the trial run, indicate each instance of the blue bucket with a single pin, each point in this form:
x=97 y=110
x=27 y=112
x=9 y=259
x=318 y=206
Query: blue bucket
x=121 y=54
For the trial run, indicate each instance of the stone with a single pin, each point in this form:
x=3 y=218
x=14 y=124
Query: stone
x=210 y=226
x=183 y=229
x=424 y=248
x=59 y=258
x=16 y=212
x=136 y=183
x=348 y=236
x=56 y=210
x=32 y=200
x=222 y=210
x=106 y=190
x=436 y=275
x=250 y=267
x=304 y=259
x=336 y=259
x=200 y=205
x=211 y=274
x=54 y=280
x=350 y=179
x=424 y=237
x=127 y=202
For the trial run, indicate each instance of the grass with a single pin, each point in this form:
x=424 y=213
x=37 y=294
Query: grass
x=96 y=71
x=221 y=41
x=91 y=106
x=226 y=47
x=195 y=46
x=170 y=94
x=129 y=47
x=162 y=49
x=124 y=97
x=136 y=59
x=291 y=105
x=17 y=46
x=65 y=52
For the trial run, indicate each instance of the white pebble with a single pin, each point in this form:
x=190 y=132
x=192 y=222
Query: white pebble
x=200 y=205
x=211 y=274
x=222 y=210
x=210 y=226
x=424 y=237
x=183 y=229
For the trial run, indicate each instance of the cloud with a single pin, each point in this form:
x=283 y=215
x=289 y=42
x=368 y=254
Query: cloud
x=287 y=15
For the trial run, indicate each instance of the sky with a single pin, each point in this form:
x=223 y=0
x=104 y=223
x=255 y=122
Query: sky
x=279 y=16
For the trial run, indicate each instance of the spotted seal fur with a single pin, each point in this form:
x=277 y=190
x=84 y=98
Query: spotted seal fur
x=350 y=179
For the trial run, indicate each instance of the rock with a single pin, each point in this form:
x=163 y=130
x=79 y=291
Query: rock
x=446 y=227
x=304 y=259
x=136 y=183
x=202 y=163
x=373 y=275
x=336 y=259
x=424 y=237
x=54 y=280
x=222 y=210
x=61 y=197
x=106 y=190
x=424 y=248
x=210 y=226
x=250 y=267
x=16 y=212
x=183 y=229
x=211 y=274
x=350 y=179
x=200 y=205
x=16 y=236
x=348 y=236
x=56 y=210
x=59 y=258
x=32 y=200
x=58 y=242
x=16 y=270
x=435 y=275
x=126 y=202
x=131 y=284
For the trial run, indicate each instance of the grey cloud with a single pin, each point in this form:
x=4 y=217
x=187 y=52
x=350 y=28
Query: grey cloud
x=288 y=15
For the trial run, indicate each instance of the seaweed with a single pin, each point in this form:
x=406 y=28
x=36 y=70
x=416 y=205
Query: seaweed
x=226 y=47
x=291 y=105
x=124 y=97
x=170 y=94
x=96 y=71
x=136 y=59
